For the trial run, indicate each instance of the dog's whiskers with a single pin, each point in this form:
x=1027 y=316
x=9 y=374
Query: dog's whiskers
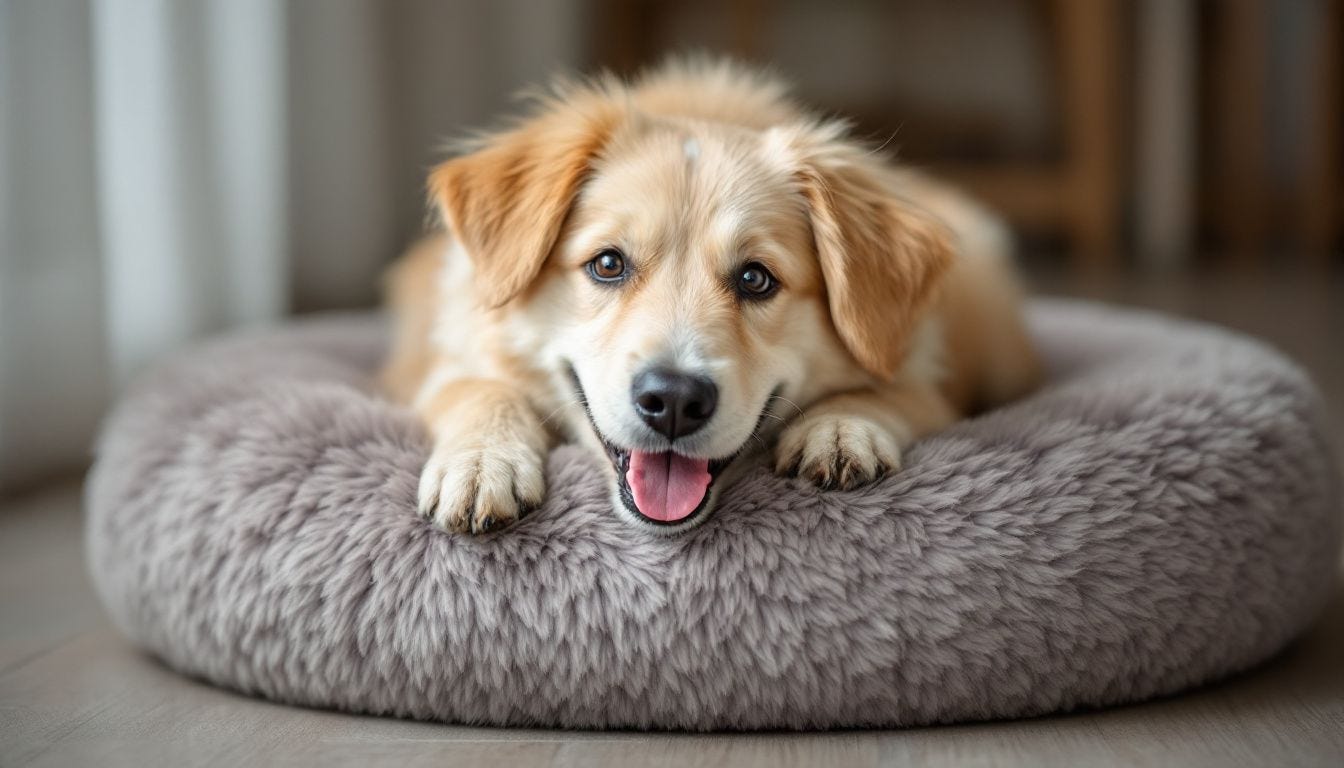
x=571 y=402
x=759 y=441
x=878 y=149
x=790 y=403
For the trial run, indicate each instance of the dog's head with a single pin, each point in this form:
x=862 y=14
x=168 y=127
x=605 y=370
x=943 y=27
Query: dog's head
x=691 y=283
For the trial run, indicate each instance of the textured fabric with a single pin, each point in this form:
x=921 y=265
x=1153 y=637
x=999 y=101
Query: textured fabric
x=1163 y=513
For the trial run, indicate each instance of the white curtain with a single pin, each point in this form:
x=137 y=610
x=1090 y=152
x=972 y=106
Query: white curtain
x=189 y=148
x=173 y=168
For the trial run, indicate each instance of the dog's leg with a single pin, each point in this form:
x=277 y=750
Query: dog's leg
x=486 y=469
x=854 y=438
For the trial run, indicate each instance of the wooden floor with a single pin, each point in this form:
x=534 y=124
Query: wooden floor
x=73 y=692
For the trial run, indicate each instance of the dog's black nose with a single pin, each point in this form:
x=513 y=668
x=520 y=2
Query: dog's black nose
x=674 y=403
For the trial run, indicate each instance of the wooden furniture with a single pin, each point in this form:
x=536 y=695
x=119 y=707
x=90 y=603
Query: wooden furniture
x=1320 y=198
x=1193 y=93
x=1078 y=196
x=1236 y=167
x=1267 y=74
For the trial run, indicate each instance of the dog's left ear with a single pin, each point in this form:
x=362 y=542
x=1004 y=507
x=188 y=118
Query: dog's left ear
x=881 y=258
x=507 y=201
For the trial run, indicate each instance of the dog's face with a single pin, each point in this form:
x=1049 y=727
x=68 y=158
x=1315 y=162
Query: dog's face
x=690 y=285
x=693 y=309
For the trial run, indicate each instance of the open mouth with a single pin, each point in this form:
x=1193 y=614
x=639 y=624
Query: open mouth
x=662 y=488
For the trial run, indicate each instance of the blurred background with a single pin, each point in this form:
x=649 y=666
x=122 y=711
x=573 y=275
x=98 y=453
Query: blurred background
x=174 y=168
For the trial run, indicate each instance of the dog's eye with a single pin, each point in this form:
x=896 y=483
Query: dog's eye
x=608 y=266
x=754 y=281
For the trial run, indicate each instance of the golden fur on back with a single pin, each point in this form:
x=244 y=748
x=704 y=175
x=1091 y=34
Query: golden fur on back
x=896 y=309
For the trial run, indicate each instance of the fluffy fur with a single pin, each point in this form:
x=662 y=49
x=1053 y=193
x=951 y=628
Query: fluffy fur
x=1163 y=512
x=897 y=311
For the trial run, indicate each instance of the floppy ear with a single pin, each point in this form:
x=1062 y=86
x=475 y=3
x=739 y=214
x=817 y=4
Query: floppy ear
x=507 y=201
x=880 y=258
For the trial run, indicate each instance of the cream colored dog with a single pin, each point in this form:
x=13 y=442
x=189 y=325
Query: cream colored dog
x=680 y=271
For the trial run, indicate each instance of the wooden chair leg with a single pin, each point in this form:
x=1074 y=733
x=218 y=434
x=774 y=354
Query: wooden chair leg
x=1088 y=39
x=1239 y=172
x=1321 y=199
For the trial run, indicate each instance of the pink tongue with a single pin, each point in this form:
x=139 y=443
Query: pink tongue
x=667 y=487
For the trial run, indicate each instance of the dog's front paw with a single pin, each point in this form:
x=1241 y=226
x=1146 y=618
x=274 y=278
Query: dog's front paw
x=837 y=451
x=482 y=487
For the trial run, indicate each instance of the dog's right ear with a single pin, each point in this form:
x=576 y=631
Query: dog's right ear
x=506 y=202
x=881 y=259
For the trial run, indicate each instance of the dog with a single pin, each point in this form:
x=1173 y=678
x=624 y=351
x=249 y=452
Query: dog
x=681 y=271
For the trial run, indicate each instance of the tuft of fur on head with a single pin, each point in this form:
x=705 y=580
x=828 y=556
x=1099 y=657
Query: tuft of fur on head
x=702 y=87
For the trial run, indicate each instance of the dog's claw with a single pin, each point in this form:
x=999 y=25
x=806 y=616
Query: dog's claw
x=836 y=452
x=484 y=490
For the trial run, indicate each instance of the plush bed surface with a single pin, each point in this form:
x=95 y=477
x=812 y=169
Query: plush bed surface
x=1165 y=512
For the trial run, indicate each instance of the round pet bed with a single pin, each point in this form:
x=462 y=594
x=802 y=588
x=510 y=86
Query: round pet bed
x=1163 y=513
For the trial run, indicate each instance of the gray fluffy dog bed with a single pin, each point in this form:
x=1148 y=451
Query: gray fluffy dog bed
x=1164 y=513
